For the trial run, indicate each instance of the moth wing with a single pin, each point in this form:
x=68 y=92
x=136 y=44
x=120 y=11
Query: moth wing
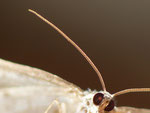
x=12 y=74
x=33 y=99
x=130 y=110
x=24 y=89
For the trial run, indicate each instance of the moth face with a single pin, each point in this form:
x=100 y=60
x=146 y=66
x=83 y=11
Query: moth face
x=104 y=101
x=98 y=102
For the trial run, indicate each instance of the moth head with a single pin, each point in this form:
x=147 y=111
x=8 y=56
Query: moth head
x=104 y=101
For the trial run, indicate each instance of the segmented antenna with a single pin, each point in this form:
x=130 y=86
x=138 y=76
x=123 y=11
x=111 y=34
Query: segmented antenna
x=75 y=45
x=132 y=90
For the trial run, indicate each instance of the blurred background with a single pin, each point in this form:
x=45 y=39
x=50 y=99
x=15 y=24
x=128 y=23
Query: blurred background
x=114 y=34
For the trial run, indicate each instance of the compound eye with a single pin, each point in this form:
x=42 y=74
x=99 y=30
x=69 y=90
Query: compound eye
x=110 y=106
x=97 y=99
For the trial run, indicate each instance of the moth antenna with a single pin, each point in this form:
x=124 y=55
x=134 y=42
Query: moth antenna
x=75 y=45
x=132 y=90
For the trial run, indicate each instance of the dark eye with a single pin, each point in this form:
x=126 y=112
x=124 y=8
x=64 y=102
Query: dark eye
x=97 y=99
x=110 y=106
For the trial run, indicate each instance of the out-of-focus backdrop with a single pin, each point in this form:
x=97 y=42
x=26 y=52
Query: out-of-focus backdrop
x=114 y=34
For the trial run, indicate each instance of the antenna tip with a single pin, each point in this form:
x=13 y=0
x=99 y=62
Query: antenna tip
x=30 y=10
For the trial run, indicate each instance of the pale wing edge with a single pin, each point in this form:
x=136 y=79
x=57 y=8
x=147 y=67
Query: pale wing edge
x=36 y=74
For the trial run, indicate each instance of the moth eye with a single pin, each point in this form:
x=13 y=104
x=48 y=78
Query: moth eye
x=97 y=99
x=110 y=106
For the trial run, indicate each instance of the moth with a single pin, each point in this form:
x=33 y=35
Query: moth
x=25 y=89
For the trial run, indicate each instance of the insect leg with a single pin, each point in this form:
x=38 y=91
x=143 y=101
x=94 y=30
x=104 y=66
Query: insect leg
x=61 y=107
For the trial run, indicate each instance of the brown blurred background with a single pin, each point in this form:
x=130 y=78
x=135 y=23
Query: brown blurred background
x=115 y=34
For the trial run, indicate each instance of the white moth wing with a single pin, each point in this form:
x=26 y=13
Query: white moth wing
x=24 y=89
x=13 y=74
x=32 y=99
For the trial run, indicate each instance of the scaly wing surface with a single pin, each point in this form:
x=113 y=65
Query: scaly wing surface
x=25 y=89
